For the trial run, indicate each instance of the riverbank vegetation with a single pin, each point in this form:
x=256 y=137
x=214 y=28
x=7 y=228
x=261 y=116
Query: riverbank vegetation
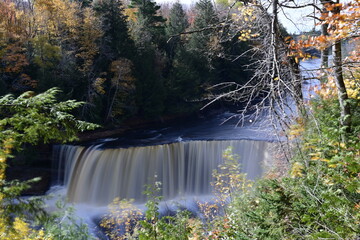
x=317 y=198
x=126 y=60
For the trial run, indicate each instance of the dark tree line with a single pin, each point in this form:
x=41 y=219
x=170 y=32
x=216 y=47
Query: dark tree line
x=124 y=61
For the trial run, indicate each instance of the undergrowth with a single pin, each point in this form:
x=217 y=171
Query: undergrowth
x=319 y=198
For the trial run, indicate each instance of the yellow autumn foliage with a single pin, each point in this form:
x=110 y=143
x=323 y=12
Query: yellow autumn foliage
x=121 y=211
x=244 y=17
x=20 y=230
x=98 y=85
x=5 y=150
x=296 y=130
x=329 y=90
x=353 y=88
x=297 y=170
x=131 y=14
x=87 y=34
x=56 y=16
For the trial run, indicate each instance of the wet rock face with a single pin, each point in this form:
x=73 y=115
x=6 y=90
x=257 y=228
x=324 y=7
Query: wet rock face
x=23 y=174
x=32 y=162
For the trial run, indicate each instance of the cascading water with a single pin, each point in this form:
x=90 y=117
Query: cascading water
x=95 y=175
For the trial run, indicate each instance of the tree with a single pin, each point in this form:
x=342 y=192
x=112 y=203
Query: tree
x=88 y=35
x=324 y=32
x=177 y=24
x=150 y=90
x=115 y=46
x=123 y=83
x=149 y=26
x=178 y=20
x=30 y=119
x=185 y=83
x=212 y=45
x=148 y=31
x=51 y=49
x=345 y=112
x=205 y=17
x=13 y=41
x=116 y=41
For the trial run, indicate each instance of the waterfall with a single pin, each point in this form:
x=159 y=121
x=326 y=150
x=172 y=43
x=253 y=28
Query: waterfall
x=96 y=176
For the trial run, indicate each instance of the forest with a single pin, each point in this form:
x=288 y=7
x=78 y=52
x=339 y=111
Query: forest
x=123 y=59
x=70 y=66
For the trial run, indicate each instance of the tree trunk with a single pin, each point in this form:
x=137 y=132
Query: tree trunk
x=324 y=31
x=274 y=39
x=325 y=52
x=345 y=117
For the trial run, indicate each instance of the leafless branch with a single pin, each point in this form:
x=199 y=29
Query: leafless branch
x=275 y=86
x=300 y=6
x=212 y=27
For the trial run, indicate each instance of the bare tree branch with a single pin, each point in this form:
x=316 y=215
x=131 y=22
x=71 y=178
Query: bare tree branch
x=300 y=6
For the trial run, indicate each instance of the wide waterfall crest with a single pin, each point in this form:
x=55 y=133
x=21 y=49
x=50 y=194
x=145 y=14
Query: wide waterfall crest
x=96 y=176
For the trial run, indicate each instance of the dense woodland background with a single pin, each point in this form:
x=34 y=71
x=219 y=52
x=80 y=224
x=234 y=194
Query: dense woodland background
x=123 y=59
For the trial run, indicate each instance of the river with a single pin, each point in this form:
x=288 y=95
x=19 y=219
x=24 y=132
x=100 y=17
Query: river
x=181 y=156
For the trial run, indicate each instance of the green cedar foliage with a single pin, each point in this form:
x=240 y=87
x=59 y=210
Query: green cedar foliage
x=35 y=119
x=38 y=118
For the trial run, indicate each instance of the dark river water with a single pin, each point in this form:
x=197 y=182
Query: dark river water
x=223 y=126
